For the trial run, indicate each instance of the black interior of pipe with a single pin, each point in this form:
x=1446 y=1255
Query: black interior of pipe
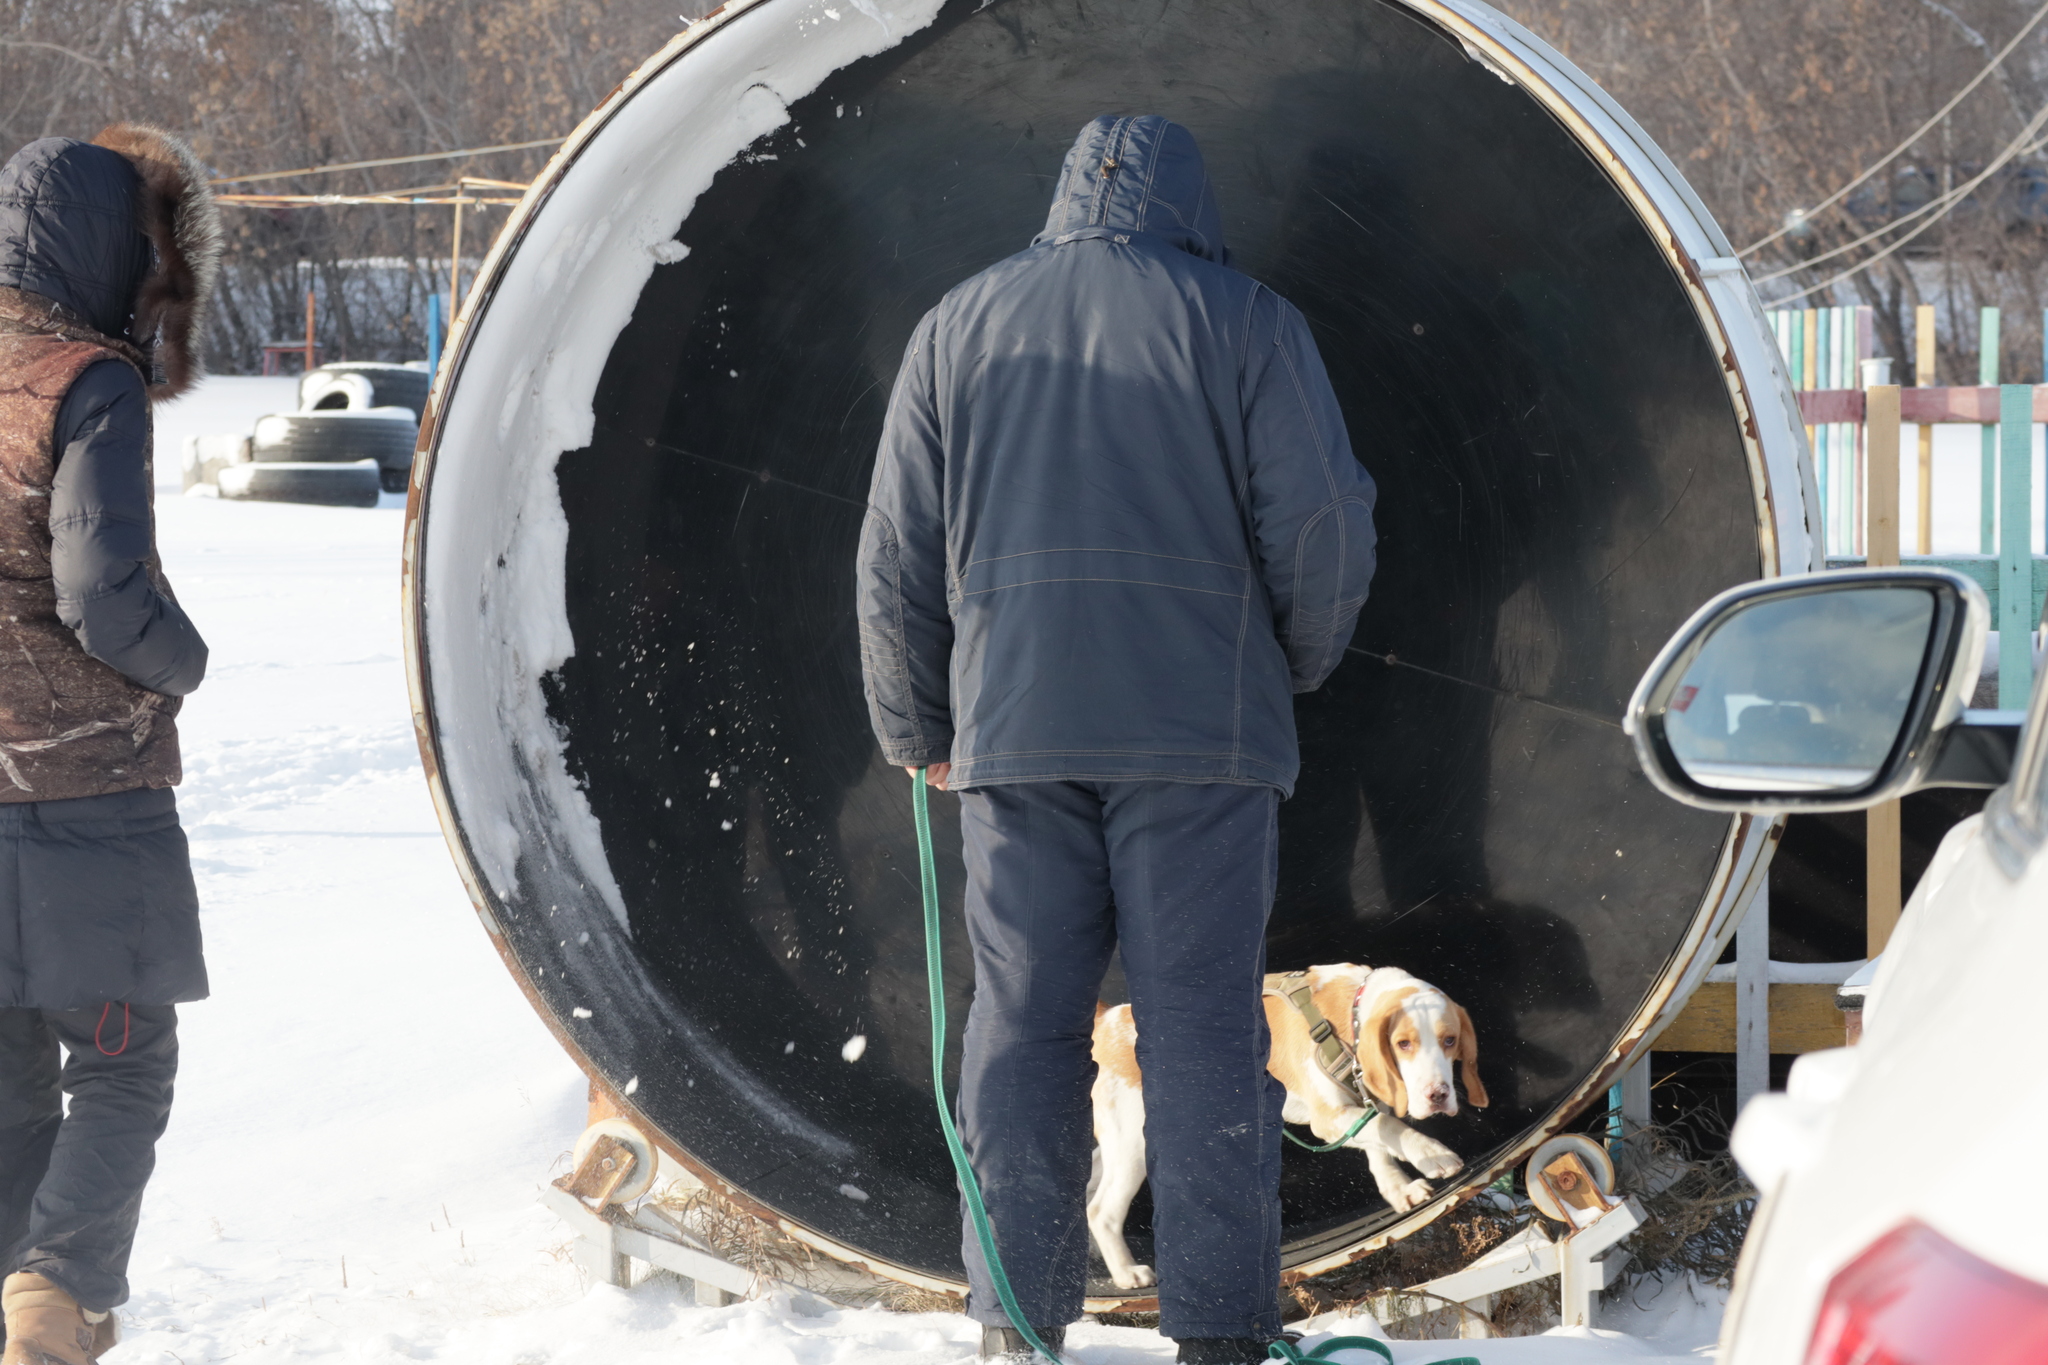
x=1561 y=482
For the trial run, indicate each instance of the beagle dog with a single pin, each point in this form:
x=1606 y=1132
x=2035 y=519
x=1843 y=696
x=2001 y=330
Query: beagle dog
x=1398 y=1039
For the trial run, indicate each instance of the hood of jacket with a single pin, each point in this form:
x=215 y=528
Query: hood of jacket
x=122 y=235
x=1139 y=174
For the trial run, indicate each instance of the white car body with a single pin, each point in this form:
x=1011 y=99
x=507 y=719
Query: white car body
x=1940 y=1113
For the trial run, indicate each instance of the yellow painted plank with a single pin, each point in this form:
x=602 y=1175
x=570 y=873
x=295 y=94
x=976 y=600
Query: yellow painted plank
x=1803 y=1019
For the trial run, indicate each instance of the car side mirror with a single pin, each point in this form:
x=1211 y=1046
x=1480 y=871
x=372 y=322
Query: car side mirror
x=1827 y=691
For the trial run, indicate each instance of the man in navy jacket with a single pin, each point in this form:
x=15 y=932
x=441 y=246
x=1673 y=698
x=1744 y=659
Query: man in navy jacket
x=1115 y=524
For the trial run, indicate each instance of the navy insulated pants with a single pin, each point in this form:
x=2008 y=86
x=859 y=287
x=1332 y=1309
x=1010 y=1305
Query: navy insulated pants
x=71 y=1184
x=1180 y=877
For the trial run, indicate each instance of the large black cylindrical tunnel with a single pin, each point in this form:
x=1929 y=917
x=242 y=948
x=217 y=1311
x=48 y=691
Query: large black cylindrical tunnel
x=630 y=601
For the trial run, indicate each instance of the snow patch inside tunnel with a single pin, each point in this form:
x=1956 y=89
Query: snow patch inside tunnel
x=557 y=306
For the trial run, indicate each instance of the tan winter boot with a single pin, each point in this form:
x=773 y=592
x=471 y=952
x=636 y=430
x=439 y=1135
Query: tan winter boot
x=45 y=1325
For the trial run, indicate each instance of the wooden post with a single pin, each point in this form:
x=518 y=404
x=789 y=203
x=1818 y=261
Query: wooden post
x=309 y=332
x=1881 y=498
x=1923 y=377
x=1753 y=999
x=1884 y=878
x=1987 y=496
x=2015 y=557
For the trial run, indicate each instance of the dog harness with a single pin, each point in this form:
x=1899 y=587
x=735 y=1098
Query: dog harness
x=1334 y=1057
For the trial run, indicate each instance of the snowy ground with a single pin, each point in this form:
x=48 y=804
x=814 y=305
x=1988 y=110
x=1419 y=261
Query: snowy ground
x=367 y=1107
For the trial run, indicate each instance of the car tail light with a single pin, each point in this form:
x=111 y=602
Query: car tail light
x=1916 y=1298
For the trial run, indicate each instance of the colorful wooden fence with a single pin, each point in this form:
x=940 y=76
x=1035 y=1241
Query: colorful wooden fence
x=1855 y=416
x=1827 y=351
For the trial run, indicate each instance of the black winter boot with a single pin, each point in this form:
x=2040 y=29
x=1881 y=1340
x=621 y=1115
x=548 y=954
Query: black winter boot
x=1007 y=1344
x=1222 y=1351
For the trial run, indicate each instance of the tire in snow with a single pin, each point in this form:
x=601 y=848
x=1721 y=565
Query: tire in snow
x=331 y=485
x=340 y=436
x=351 y=386
x=205 y=456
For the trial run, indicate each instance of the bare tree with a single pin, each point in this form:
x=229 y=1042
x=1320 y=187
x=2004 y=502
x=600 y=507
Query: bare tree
x=261 y=85
x=1769 y=108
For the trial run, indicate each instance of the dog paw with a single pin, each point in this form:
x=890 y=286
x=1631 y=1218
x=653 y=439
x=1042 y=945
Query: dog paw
x=1440 y=1164
x=1411 y=1195
x=1137 y=1277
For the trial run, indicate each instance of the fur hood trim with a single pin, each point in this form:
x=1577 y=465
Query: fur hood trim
x=177 y=213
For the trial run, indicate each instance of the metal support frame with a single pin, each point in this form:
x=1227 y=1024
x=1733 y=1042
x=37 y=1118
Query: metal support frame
x=1635 y=1096
x=1753 y=998
x=607 y=1243
x=1581 y=1261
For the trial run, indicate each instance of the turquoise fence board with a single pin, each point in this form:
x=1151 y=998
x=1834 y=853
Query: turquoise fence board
x=1987 y=494
x=2016 y=532
x=1982 y=568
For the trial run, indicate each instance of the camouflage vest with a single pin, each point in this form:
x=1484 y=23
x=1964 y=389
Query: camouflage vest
x=69 y=725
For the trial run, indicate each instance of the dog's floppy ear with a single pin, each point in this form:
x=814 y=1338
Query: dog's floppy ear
x=1468 y=1059
x=1377 y=1066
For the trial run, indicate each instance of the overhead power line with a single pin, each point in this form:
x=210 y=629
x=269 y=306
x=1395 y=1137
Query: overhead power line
x=1938 y=205
x=390 y=161
x=1874 y=167
x=2023 y=143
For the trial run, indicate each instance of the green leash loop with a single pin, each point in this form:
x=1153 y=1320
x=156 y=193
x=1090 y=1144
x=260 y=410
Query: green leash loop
x=1366 y=1115
x=935 y=979
x=1289 y=1352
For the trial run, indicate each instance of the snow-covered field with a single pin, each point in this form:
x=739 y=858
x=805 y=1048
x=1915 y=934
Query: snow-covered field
x=367 y=1108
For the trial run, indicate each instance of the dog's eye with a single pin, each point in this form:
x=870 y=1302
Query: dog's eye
x=1406 y=1045
x=1449 y=1044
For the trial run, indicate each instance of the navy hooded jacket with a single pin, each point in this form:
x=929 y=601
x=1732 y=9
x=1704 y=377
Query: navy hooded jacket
x=1115 y=520
x=68 y=234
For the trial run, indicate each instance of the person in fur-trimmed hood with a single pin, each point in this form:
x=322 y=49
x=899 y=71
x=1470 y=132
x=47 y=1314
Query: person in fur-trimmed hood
x=108 y=250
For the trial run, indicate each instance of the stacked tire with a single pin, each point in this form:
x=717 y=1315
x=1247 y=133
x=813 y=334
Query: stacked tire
x=351 y=439
x=204 y=457
x=353 y=386
x=330 y=485
x=341 y=436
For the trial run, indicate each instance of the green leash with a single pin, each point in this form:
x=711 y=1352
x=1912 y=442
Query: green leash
x=1367 y=1115
x=1289 y=1352
x=935 y=981
x=935 y=978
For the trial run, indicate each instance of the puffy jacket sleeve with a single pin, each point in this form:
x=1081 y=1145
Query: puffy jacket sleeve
x=101 y=537
x=1310 y=500
x=906 y=628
